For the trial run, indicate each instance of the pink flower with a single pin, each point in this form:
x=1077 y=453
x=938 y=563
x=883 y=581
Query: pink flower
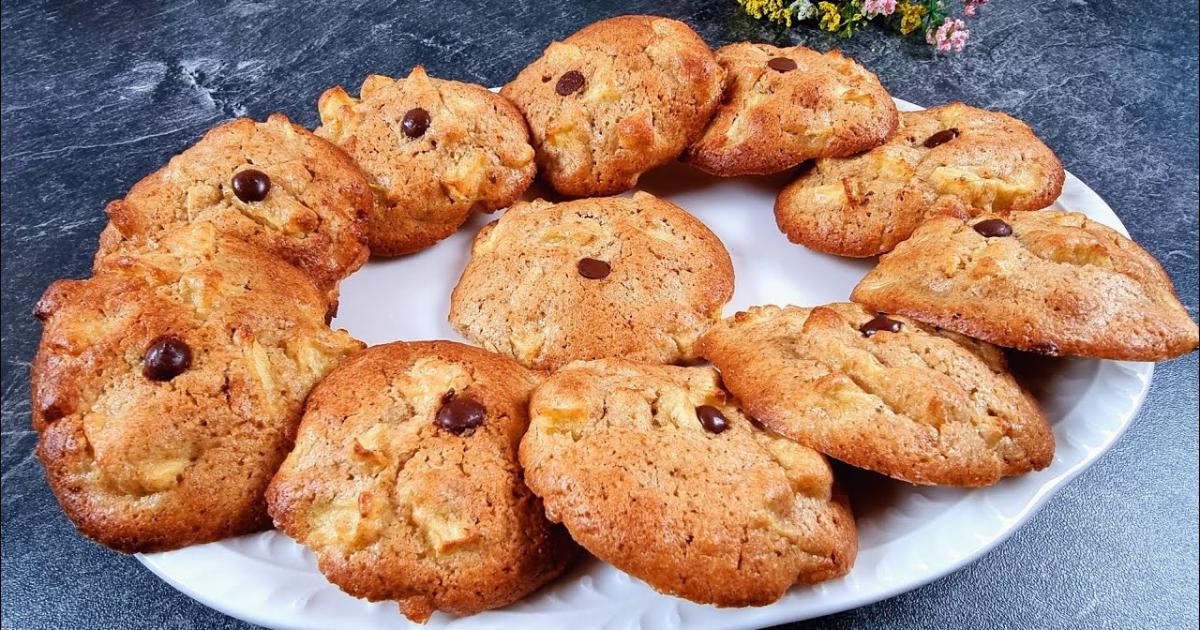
x=951 y=35
x=880 y=7
x=970 y=6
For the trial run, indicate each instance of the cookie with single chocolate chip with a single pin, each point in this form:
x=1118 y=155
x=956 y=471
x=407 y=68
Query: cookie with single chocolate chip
x=954 y=160
x=635 y=277
x=405 y=481
x=167 y=388
x=434 y=150
x=616 y=99
x=655 y=470
x=272 y=183
x=882 y=392
x=1049 y=282
x=783 y=106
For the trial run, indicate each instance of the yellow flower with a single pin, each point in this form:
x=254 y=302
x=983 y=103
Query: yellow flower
x=831 y=18
x=773 y=10
x=910 y=16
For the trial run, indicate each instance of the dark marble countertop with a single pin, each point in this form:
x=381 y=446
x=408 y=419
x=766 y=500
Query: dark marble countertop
x=97 y=94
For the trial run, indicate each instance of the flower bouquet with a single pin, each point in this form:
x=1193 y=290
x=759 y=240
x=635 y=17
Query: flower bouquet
x=847 y=17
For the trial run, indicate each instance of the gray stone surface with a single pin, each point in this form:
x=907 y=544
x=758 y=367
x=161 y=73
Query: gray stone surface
x=97 y=94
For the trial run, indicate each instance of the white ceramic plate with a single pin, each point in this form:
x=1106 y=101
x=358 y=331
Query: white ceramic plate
x=908 y=535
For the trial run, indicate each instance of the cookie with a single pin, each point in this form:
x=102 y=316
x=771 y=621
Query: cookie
x=616 y=99
x=434 y=151
x=634 y=277
x=406 y=485
x=166 y=390
x=656 y=471
x=1050 y=282
x=272 y=183
x=783 y=106
x=954 y=160
x=883 y=393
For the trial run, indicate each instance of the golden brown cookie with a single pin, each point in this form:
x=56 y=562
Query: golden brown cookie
x=616 y=99
x=434 y=151
x=635 y=277
x=405 y=481
x=656 y=471
x=882 y=393
x=166 y=390
x=783 y=106
x=1050 y=282
x=954 y=160
x=272 y=183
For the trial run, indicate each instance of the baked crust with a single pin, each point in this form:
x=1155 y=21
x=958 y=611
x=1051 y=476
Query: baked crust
x=649 y=86
x=398 y=508
x=315 y=215
x=864 y=205
x=142 y=465
x=735 y=518
x=474 y=154
x=770 y=121
x=1061 y=284
x=522 y=293
x=920 y=405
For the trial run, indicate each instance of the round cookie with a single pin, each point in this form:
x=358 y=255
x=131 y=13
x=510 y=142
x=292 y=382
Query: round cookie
x=272 y=183
x=167 y=389
x=783 y=106
x=635 y=277
x=954 y=160
x=405 y=481
x=1050 y=282
x=656 y=471
x=616 y=99
x=434 y=151
x=882 y=393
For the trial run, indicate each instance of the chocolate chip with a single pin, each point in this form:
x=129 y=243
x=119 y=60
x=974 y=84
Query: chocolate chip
x=415 y=122
x=880 y=324
x=52 y=411
x=711 y=419
x=251 y=185
x=459 y=415
x=569 y=83
x=166 y=357
x=593 y=269
x=941 y=137
x=993 y=228
x=781 y=64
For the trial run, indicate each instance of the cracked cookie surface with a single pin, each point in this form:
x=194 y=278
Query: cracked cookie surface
x=405 y=481
x=313 y=211
x=167 y=388
x=1057 y=284
x=433 y=150
x=783 y=106
x=655 y=470
x=616 y=99
x=882 y=393
x=954 y=160
x=636 y=277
